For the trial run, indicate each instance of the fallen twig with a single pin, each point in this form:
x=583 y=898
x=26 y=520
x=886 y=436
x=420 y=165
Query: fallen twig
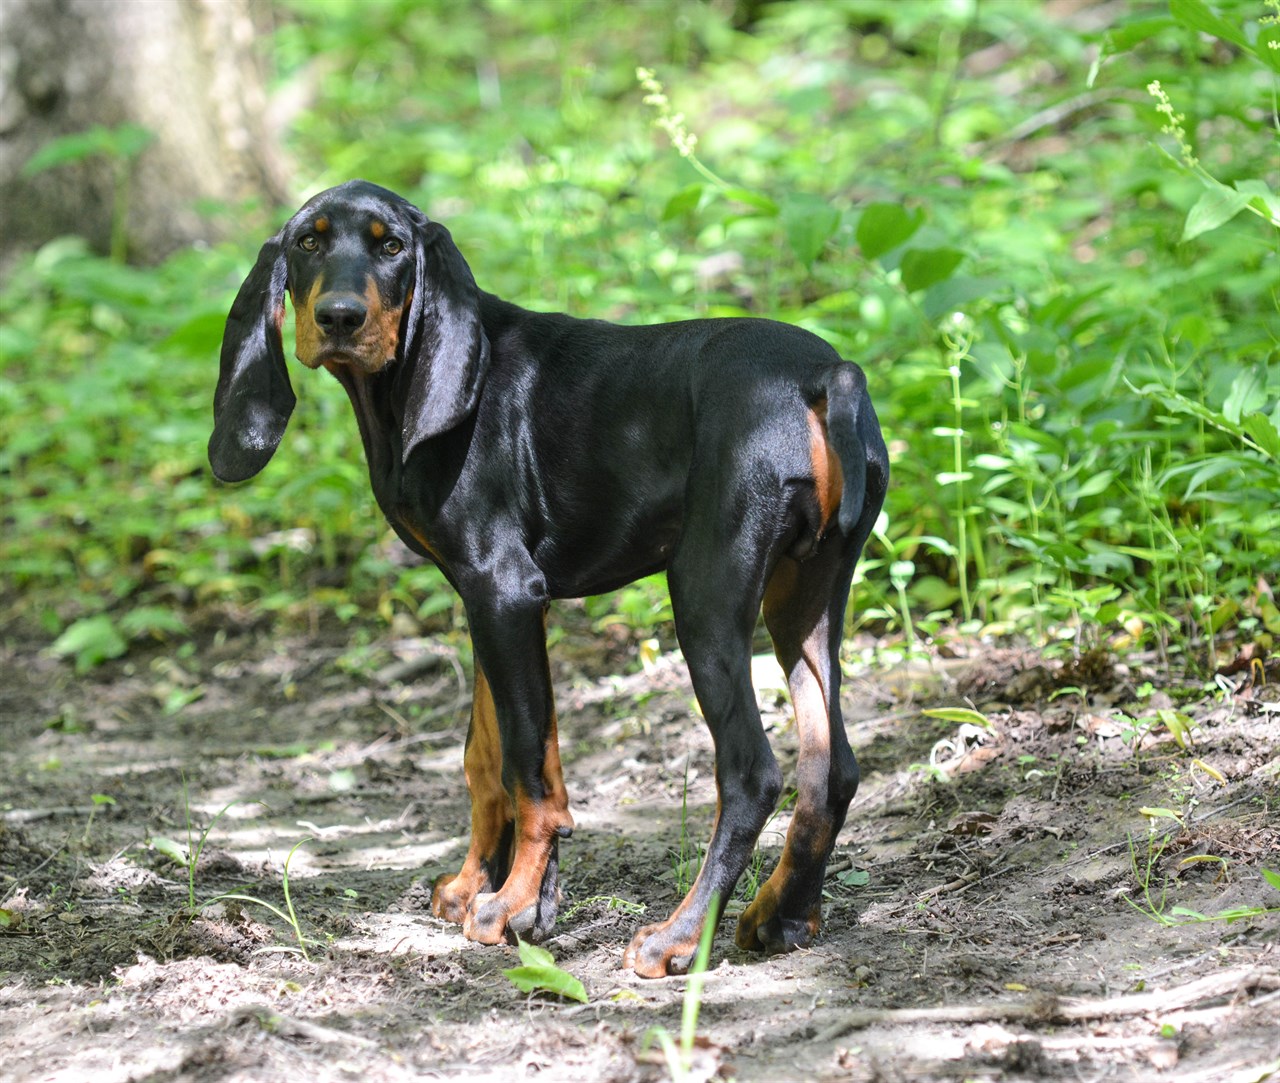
x=1227 y=983
x=284 y=1026
x=967 y=879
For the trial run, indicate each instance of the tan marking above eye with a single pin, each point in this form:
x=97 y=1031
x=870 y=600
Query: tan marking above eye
x=322 y=224
x=378 y=229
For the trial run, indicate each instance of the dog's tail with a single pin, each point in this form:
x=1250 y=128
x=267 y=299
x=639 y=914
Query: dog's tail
x=854 y=432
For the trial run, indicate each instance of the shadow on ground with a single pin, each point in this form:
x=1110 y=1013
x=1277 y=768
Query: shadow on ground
x=1000 y=906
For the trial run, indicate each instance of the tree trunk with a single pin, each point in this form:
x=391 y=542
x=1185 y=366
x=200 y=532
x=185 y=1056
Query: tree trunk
x=186 y=70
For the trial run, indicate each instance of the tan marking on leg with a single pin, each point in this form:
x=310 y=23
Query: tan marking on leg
x=491 y=809
x=679 y=947
x=539 y=823
x=809 y=836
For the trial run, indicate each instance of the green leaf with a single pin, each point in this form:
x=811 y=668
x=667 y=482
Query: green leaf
x=924 y=267
x=171 y=850
x=124 y=141
x=884 y=226
x=1248 y=393
x=539 y=974
x=547 y=979
x=1155 y=813
x=1259 y=192
x=1267 y=36
x=532 y=955
x=960 y=714
x=810 y=222
x=92 y=641
x=192 y=337
x=1199 y=16
x=683 y=202
x=1271 y=877
x=1184 y=912
x=988 y=461
x=1205 y=473
x=1262 y=431
x=1098 y=483
x=761 y=203
x=1178 y=724
x=1216 y=207
x=153 y=620
x=1123 y=38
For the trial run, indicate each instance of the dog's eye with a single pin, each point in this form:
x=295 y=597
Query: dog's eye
x=308 y=242
x=392 y=247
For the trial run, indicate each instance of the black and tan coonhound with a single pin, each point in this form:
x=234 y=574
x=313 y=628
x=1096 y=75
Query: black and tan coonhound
x=535 y=456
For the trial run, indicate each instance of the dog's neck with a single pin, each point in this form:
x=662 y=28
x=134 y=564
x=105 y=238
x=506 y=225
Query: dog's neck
x=378 y=401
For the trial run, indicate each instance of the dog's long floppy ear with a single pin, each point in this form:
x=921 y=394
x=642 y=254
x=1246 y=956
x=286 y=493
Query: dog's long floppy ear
x=254 y=400
x=446 y=346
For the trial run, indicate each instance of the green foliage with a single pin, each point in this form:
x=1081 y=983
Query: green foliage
x=960 y=714
x=188 y=858
x=679 y=1055
x=90 y=642
x=538 y=973
x=1153 y=901
x=1052 y=247
x=123 y=142
x=120 y=146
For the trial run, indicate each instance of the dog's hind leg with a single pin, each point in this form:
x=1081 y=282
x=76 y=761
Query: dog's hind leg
x=715 y=579
x=804 y=612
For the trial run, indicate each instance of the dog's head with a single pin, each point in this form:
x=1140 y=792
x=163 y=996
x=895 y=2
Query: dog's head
x=374 y=283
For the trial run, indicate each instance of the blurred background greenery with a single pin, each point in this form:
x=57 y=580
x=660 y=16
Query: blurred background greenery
x=1065 y=300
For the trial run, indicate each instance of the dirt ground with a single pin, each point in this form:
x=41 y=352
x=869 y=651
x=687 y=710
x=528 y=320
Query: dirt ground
x=985 y=918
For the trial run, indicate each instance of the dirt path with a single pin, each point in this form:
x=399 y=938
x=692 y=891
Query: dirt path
x=987 y=925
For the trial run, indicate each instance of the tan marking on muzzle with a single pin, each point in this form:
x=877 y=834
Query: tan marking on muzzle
x=310 y=337
x=379 y=339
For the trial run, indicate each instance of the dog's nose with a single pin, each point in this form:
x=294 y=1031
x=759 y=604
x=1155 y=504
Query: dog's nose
x=340 y=314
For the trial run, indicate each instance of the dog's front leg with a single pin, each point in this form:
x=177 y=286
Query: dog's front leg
x=509 y=638
x=492 y=815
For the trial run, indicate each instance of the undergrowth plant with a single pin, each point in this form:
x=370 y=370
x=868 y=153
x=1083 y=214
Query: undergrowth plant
x=679 y=1055
x=120 y=147
x=288 y=915
x=189 y=858
x=1068 y=331
x=538 y=973
x=1144 y=859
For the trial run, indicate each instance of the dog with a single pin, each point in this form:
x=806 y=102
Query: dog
x=535 y=456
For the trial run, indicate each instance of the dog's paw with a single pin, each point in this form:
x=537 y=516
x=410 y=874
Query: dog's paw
x=451 y=897
x=658 y=950
x=763 y=927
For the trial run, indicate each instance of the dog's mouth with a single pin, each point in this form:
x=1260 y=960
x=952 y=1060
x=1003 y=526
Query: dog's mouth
x=367 y=354
x=340 y=357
